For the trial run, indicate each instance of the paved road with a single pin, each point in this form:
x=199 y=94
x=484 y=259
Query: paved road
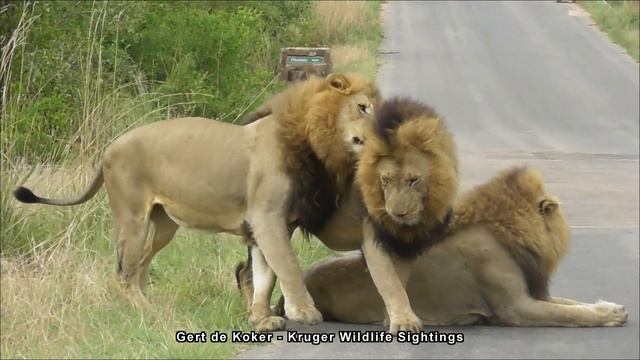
x=525 y=83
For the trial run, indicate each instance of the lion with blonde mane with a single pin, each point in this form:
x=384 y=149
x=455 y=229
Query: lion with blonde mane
x=505 y=240
x=258 y=181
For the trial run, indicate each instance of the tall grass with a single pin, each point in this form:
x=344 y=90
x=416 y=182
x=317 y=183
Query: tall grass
x=620 y=20
x=352 y=30
x=342 y=17
x=58 y=293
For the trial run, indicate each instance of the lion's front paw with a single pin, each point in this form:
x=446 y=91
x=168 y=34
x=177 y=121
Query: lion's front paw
x=307 y=315
x=410 y=323
x=138 y=299
x=271 y=323
x=611 y=314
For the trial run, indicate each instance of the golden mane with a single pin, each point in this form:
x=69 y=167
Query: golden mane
x=314 y=151
x=526 y=221
x=401 y=125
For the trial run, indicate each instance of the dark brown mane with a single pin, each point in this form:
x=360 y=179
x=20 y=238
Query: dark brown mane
x=415 y=240
x=394 y=112
x=314 y=196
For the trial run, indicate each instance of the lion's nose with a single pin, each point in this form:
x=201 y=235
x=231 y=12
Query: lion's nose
x=356 y=140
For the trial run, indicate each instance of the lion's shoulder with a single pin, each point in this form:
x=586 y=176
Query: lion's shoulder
x=516 y=209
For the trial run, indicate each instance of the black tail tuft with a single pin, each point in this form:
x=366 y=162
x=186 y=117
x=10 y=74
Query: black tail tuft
x=25 y=195
x=279 y=309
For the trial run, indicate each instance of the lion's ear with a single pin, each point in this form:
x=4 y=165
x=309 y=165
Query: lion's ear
x=548 y=207
x=339 y=83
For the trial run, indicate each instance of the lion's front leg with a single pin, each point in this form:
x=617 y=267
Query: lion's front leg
x=390 y=277
x=271 y=235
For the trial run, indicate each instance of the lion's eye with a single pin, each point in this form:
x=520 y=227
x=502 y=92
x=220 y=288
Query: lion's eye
x=363 y=109
x=413 y=181
x=384 y=180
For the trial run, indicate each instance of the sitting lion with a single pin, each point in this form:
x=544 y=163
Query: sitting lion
x=506 y=239
x=258 y=181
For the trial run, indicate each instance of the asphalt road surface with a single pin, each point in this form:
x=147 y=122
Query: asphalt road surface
x=519 y=83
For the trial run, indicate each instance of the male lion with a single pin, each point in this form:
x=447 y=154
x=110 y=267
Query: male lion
x=406 y=178
x=258 y=181
x=506 y=238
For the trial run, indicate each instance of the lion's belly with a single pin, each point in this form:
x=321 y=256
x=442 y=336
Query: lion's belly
x=226 y=218
x=195 y=168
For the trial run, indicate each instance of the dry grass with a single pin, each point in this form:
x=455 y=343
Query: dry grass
x=352 y=30
x=64 y=304
x=359 y=58
x=349 y=54
x=340 y=17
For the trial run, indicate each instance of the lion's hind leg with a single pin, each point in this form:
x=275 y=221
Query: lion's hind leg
x=564 y=301
x=132 y=236
x=507 y=293
x=131 y=210
x=531 y=312
x=161 y=231
x=264 y=280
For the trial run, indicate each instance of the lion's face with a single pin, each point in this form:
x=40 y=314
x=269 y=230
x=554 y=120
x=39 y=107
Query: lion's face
x=355 y=120
x=404 y=181
x=407 y=172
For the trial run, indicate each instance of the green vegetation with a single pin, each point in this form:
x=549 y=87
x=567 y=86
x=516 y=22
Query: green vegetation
x=77 y=75
x=110 y=63
x=620 y=20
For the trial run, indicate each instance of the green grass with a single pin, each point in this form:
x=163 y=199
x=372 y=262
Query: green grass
x=620 y=20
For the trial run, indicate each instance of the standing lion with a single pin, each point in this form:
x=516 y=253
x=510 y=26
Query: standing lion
x=259 y=181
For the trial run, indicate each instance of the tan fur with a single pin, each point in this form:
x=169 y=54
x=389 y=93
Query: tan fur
x=220 y=177
x=515 y=222
x=473 y=277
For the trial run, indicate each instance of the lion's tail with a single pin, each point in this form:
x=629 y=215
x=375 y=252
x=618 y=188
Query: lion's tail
x=27 y=196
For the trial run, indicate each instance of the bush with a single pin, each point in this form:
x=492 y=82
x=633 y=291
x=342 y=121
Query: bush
x=83 y=63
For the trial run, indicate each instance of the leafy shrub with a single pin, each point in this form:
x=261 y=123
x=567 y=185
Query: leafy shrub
x=84 y=63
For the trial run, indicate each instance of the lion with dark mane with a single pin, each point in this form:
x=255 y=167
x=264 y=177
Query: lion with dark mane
x=399 y=206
